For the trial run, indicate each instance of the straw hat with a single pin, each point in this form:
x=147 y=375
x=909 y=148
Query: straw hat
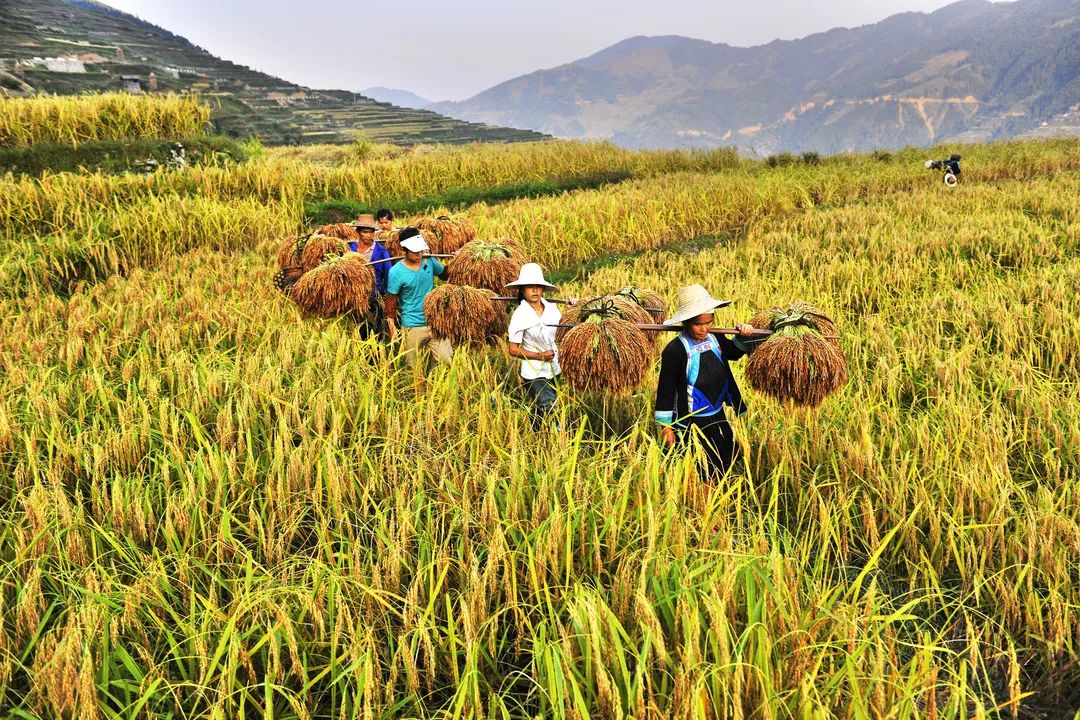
x=531 y=274
x=365 y=222
x=694 y=300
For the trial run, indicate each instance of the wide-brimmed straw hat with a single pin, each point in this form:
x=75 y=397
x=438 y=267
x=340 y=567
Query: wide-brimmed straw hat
x=531 y=274
x=694 y=300
x=365 y=222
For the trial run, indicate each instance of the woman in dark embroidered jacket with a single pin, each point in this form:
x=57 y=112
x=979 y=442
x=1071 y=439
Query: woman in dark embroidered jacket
x=696 y=382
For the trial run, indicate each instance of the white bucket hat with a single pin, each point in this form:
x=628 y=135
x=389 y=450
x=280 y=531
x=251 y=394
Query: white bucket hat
x=416 y=243
x=694 y=300
x=531 y=274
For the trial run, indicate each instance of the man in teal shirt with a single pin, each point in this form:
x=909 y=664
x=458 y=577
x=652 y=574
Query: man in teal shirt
x=409 y=283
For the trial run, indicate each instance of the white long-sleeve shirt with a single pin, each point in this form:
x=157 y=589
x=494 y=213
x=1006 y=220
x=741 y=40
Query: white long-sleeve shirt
x=531 y=331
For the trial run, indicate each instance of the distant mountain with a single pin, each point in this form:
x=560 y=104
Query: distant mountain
x=971 y=71
x=401 y=98
x=75 y=46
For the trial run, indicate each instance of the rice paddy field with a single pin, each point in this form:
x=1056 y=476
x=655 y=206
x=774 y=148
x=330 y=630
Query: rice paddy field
x=214 y=508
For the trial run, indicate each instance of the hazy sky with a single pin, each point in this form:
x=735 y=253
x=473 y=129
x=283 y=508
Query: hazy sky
x=453 y=49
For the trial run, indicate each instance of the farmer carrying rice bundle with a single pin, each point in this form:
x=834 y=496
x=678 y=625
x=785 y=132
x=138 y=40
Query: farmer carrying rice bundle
x=408 y=285
x=532 y=338
x=695 y=381
x=370 y=251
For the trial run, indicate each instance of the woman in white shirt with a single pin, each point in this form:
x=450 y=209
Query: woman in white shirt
x=532 y=338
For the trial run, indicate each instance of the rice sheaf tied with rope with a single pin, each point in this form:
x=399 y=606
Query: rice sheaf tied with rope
x=320 y=248
x=343 y=231
x=649 y=300
x=802 y=361
x=339 y=286
x=604 y=354
x=488 y=264
x=462 y=314
x=446 y=234
x=290 y=252
x=607 y=306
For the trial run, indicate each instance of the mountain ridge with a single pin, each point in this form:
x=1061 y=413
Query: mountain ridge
x=973 y=69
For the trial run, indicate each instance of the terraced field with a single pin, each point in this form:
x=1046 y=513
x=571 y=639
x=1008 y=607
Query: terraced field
x=245 y=102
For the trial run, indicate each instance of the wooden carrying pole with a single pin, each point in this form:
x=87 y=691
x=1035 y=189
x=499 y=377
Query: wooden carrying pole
x=402 y=257
x=679 y=328
x=566 y=301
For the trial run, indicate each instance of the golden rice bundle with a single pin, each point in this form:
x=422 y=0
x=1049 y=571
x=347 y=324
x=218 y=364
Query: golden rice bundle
x=604 y=354
x=488 y=264
x=389 y=239
x=320 y=248
x=605 y=307
x=290 y=252
x=649 y=300
x=338 y=286
x=801 y=362
x=446 y=234
x=501 y=324
x=342 y=231
x=459 y=313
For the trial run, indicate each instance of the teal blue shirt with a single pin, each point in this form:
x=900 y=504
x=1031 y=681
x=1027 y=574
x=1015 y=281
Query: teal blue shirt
x=411 y=287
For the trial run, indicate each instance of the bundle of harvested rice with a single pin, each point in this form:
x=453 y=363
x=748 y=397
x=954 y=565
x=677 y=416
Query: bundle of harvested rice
x=343 y=231
x=605 y=307
x=649 y=300
x=290 y=252
x=501 y=324
x=459 y=313
x=604 y=354
x=341 y=285
x=488 y=264
x=446 y=234
x=320 y=248
x=801 y=362
x=389 y=239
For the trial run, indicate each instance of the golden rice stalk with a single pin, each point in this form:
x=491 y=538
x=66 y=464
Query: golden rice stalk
x=339 y=286
x=605 y=354
x=649 y=300
x=290 y=252
x=488 y=264
x=605 y=307
x=459 y=313
x=320 y=248
x=343 y=231
x=797 y=363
